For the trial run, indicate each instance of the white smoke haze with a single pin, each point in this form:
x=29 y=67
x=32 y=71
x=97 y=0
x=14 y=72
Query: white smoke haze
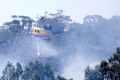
x=74 y=67
x=87 y=45
x=93 y=65
x=75 y=64
x=24 y=48
x=44 y=49
x=84 y=44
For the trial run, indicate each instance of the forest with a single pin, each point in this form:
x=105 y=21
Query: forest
x=85 y=43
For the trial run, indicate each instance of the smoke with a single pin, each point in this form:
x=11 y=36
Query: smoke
x=23 y=48
x=18 y=49
x=44 y=49
x=74 y=50
x=86 y=44
x=74 y=67
x=75 y=64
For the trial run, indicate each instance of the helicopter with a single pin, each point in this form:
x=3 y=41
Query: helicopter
x=43 y=30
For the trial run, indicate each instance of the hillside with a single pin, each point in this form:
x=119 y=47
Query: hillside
x=85 y=43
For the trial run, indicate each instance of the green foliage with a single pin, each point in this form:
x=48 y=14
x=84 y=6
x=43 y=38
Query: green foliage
x=38 y=70
x=56 y=21
x=113 y=72
x=93 y=19
x=18 y=71
x=9 y=72
x=108 y=70
x=19 y=23
x=33 y=71
x=93 y=74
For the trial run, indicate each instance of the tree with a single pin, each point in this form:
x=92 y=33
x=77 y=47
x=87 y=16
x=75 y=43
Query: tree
x=26 y=22
x=111 y=69
x=49 y=71
x=93 y=19
x=19 y=23
x=37 y=70
x=18 y=71
x=9 y=72
x=107 y=70
x=93 y=74
x=14 y=16
x=33 y=71
x=57 y=21
x=35 y=77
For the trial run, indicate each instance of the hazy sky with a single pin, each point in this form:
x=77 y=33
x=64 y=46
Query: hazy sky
x=77 y=9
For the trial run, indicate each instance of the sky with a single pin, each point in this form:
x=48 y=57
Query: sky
x=77 y=9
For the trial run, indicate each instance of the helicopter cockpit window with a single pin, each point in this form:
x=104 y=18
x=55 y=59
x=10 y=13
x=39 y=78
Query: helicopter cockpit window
x=37 y=31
